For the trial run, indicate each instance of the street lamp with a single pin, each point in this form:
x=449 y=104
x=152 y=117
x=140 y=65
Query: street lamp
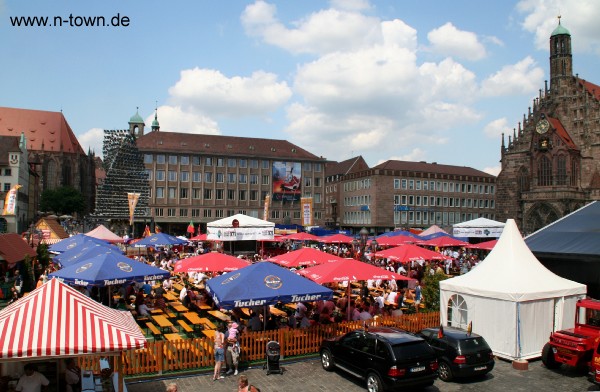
x=374 y=245
x=364 y=236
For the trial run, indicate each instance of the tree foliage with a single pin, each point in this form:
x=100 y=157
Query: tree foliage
x=431 y=289
x=64 y=200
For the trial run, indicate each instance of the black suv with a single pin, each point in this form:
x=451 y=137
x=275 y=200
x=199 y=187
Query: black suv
x=459 y=353
x=387 y=358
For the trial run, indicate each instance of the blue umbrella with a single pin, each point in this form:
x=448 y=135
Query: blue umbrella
x=265 y=284
x=109 y=269
x=160 y=239
x=76 y=241
x=83 y=252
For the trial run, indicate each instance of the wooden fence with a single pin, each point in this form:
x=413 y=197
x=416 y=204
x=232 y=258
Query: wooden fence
x=162 y=357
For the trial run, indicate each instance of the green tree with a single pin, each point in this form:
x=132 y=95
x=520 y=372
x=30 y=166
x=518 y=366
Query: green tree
x=64 y=200
x=431 y=289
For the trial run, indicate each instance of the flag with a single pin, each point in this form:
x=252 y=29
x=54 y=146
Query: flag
x=441 y=332
x=146 y=232
x=470 y=328
x=266 y=207
x=157 y=229
x=307 y=215
x=190 y=228
x=132 y=199
x=10 y=202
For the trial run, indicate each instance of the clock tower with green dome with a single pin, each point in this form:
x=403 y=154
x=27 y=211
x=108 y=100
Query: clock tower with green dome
x=136 y=124
x=561 y=58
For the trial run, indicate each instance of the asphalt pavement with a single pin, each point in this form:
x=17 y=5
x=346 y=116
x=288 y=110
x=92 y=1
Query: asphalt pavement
x=308 y=375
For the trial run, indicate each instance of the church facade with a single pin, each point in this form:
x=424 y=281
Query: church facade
x=550 y=164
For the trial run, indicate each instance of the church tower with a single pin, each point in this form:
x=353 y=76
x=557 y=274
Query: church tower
x=136 y=124
x=561 y=58
x=155 y=125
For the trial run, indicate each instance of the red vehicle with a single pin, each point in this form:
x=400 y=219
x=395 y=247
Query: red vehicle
x=575 y=346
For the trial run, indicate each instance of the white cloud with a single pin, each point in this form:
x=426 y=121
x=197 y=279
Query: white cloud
x=209 y=92
x=92 y=140
x=496 y=128
x=321 y=32
x=175 y=119
x=580 y=17
x=524 y=77
x=415 y=155
x=352 y=5
x=449 y=41
x=493 y=170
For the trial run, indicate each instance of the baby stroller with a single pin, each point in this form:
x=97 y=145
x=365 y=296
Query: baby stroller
x=273 y=353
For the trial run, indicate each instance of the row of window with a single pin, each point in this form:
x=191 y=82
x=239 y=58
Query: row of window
x=362 y=200
x=232 y=178
x=357 y=217
x=416 y=200
x=218 y=194
x=220 y=213
x=357 y=185
x=219 y=162
x=442 y=186
x=435 y=217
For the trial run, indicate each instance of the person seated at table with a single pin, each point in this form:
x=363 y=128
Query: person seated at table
x=364 y=312
x=325 y=316
x=131 y=304
x=121 y=304
x=159 y=302
x=144 y=310
x=272 y=323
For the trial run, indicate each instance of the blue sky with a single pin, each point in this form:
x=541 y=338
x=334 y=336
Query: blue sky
x=435 y=81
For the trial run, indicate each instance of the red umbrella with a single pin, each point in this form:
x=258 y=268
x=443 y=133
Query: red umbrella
x=199 y=237
x=300 y=237
x=303 y=257
x=348 y=269
x=406 y=253
x=487 y=245
x=396 y=240
x=213 y=262
x=337 y=239
x=443 y=241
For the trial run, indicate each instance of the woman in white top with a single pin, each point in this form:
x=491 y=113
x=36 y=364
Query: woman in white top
x=219 y=353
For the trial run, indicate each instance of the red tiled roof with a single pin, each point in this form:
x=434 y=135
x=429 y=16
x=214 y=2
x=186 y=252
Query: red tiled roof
x=44 y=131
x=13 y=248
x=562 y=132
x=425 y=167
x=221 y=145
x=591 y=88
x=348 y=166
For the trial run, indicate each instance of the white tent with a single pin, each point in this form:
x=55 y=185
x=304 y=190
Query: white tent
x=480 y=227
x=240 y=227
x=512 y=300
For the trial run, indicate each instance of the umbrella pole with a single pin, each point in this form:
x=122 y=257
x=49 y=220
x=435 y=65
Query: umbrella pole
x=348 y=300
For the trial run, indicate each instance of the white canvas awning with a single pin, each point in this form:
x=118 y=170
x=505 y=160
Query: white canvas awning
x=240 y=227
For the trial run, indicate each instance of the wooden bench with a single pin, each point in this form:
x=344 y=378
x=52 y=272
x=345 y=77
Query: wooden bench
x=152 y=328
x=170 y=314
x=185 y=326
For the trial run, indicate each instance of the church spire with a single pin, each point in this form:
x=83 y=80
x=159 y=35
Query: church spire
x=155 y=125
x=561 y=58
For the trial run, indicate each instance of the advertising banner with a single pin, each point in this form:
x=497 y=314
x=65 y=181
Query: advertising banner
x=306 y=204
x=267 y=203
x=132 y=199
x=239 y=233
x=10 y=202
x=287 y=181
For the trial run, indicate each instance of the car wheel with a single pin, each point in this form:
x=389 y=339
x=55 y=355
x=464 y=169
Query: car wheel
x=374 y=383
x=548 y=357
x=327 y=360
x=444 y=371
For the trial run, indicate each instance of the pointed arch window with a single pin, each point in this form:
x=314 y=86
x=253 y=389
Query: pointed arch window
x=523 y=180
x=561 y=170
x=544 y=172
x=574 y=172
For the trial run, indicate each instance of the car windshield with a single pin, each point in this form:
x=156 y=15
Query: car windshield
x=473 y=344
x=411 y=350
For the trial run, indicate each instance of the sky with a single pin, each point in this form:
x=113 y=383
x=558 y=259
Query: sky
x=435 y=81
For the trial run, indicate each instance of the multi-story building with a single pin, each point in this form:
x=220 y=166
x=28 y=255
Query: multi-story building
x=399 y=194
x=202 y=178
x=14 y=170
x=334 y=172
x=54 y=154
x=551 y=164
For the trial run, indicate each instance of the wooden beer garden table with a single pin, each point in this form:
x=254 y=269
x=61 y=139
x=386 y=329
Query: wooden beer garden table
x=208 y=323
x=194 y=319
x=219 y=315
x=178 y=307
x=277 y=312
x=162 y=322
x=171 y=337
x=170 y=297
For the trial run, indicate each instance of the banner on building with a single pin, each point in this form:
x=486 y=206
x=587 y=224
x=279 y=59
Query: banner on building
x=287 y=181
x=266 y=212
x=132 y=199
x=307 y=211
x=10 y=202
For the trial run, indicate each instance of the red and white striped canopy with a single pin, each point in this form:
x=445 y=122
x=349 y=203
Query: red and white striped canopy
x=56 y=320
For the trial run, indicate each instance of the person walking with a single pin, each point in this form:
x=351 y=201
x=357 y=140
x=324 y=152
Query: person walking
x=219 y=353
x=172 y=387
